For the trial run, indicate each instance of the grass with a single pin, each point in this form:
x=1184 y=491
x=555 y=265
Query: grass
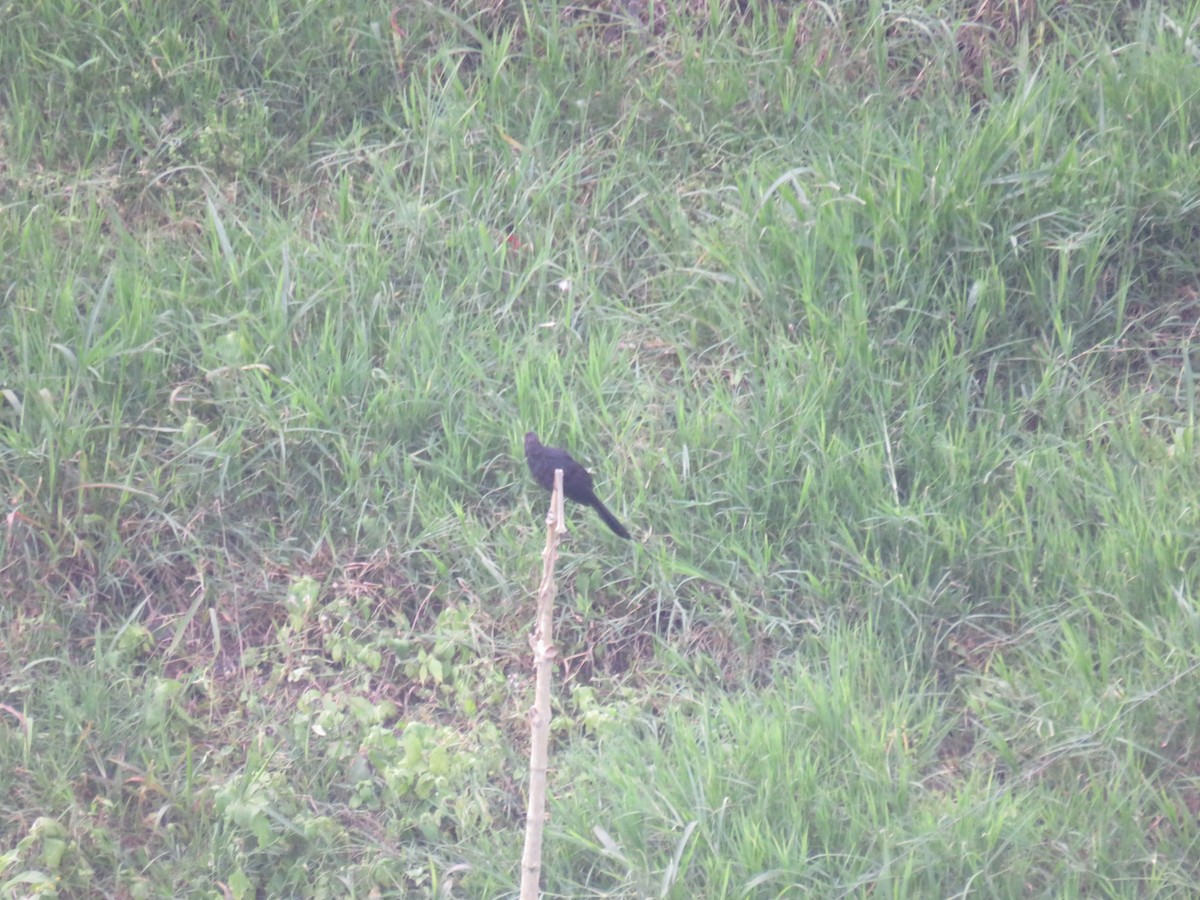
x=877 y=324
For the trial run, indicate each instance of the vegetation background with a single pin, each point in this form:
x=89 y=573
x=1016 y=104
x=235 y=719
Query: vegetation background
x=877 y=321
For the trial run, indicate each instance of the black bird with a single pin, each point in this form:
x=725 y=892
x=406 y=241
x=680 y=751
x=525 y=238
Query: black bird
x=577 y=483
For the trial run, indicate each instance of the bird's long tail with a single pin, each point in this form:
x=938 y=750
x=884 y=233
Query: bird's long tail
x=610 y=520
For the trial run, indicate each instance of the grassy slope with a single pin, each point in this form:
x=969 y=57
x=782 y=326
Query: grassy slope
x=879 y=335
